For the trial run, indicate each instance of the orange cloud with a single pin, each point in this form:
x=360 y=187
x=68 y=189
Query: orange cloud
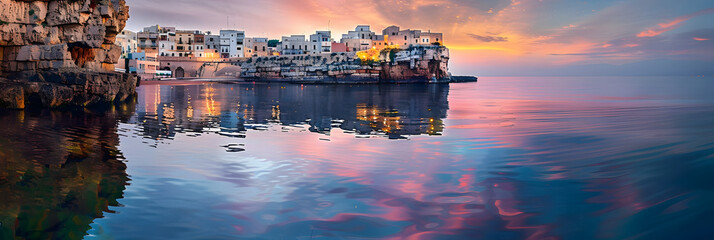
x=701 y=39
x=669 y=26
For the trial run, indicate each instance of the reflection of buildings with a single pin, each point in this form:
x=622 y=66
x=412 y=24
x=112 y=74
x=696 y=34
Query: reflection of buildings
x=58 y=171
x=394 y=111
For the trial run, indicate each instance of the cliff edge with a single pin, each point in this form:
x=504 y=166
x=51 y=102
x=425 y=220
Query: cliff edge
x=57 y=53
x=416 y=64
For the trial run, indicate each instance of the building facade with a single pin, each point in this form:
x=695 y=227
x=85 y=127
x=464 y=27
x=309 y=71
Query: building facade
x=128 y=41
x=321 y=42
x=358 y=40
x=213 y=41
x=256 y=47
x=294 y=45
x=393 y=35
x=232 y=44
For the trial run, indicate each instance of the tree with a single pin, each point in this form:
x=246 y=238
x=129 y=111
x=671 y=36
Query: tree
x=273 y=43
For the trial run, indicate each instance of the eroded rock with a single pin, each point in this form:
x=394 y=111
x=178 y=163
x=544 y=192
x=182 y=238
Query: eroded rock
x=62 y=52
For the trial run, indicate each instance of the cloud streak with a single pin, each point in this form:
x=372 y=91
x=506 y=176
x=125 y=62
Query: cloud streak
x=483 y=38
x=669 y=26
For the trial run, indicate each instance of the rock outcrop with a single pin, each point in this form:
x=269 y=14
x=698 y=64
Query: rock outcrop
x=63 y=49
x=415 y=64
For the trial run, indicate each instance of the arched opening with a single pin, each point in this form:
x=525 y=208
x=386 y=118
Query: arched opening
x=179 y=73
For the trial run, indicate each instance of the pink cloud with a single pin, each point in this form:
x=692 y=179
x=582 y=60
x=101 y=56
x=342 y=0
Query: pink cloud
x=701 y=39
x=671 y=25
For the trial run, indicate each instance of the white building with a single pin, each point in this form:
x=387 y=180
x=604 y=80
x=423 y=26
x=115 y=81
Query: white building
x=405 y=38
x=294 y=44
x=321 y=42
x=167 y=44
x=127 y=40
x=231 y=43
x=360 y=39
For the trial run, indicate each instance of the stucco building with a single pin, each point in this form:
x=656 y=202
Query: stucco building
x=232 y=43
x=321 y=42
x=256 y=47
x=294 y=45
x=128 y=41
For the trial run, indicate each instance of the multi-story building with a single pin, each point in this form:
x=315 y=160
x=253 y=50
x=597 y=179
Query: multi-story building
x=231 y=43
x=358 y=40
x=128 y=42
x=184 y=43
x=143 y=64
x=167 y=44
x=213 y=41
x=431 y=38
x=379 y=43
x=405 y=38
x=321 y=42
x=293 y=45
x=256 y=47
x=148 y=39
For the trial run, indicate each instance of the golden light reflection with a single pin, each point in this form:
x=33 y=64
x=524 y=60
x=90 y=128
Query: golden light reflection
x=385 y=121
x=212 y=106
x=276 y=113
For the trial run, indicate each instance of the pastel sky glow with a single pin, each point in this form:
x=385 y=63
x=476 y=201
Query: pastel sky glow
x=487 y=37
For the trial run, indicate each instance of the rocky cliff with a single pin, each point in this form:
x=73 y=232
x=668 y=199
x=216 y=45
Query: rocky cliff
x=415 y=64
x=61 y=52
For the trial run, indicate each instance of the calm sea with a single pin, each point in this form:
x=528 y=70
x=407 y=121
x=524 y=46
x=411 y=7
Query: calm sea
x=505 y=158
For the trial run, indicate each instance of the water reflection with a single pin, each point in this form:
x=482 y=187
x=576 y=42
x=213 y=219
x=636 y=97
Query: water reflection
x=230 y=110
x=58 y=171
x=516 y=158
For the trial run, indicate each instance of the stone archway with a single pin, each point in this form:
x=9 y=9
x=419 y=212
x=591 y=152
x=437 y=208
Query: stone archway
x=179 y=72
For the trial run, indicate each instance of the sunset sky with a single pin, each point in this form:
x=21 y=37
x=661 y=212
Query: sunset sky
x=486 y=37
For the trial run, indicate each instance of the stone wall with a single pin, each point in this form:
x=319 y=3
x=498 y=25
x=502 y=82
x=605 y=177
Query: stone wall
x=416 y=64
x=40 y=38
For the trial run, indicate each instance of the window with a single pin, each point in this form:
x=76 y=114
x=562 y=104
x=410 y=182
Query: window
x=405 y=38
x=263 y=48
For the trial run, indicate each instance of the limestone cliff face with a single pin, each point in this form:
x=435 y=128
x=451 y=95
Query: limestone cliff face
x=49 y=42
x=416 y=64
